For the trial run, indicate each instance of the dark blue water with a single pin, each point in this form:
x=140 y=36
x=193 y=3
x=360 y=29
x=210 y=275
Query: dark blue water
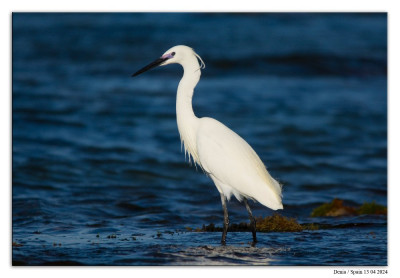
x=98 y=174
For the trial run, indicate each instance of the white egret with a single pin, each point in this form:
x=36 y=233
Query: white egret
x=224 y=156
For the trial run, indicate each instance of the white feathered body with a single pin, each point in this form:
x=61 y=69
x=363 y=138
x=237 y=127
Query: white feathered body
x=234 y=166
x=229 y=160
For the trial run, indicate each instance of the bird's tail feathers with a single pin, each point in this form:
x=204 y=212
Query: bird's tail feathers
x=271 y=197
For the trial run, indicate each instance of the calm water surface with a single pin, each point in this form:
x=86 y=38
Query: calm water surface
x=98 y=173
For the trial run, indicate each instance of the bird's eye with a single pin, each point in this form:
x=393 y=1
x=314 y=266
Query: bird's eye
x=173 y=53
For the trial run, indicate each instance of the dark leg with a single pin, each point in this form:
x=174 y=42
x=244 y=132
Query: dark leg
x=252 y=220
x=226 y=219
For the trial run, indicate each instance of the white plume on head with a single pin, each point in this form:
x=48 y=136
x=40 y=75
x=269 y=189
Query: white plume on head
x=202 y=64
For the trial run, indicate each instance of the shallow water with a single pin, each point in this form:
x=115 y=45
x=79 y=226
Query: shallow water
x=98 y=174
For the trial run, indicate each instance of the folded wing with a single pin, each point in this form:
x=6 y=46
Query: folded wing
x=230 y=161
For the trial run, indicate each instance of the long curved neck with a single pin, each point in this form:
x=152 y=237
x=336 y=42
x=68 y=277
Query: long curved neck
x=191 y=77
x=186 y=119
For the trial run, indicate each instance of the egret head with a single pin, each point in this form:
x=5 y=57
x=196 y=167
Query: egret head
x=177 y=54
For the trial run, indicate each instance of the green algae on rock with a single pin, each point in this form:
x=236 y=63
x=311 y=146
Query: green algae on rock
x=337 y=208
x=274 y=223
x=334 y=208
x=372 y=208
x=277 y=223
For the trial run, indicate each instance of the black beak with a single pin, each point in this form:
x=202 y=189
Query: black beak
x=154 y=64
